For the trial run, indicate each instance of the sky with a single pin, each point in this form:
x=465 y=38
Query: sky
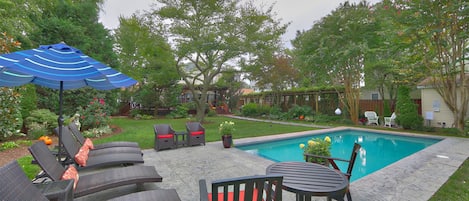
x=302 y=14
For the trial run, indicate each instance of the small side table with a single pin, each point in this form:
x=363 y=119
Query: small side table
x=57 y=190
x=183 y=134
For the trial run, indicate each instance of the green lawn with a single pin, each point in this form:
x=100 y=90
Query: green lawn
x=141 y=131
x=457 y=186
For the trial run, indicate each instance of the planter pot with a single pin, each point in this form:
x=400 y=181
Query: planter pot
x=227 y=141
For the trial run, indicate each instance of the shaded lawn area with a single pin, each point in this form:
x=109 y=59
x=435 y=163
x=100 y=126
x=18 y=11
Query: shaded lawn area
x=141 y=131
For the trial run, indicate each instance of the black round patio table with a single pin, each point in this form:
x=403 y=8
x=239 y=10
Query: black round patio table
x=310 y=179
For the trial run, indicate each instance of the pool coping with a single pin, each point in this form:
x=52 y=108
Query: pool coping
x=415 y=177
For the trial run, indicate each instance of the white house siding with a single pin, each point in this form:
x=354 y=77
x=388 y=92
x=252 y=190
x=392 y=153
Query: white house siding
x=430 y=100
x=366 y=94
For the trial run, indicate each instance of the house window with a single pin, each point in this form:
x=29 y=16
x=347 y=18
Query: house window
x=374 y=96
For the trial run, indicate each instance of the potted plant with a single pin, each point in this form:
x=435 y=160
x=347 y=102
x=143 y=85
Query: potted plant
x=318 y=147
x=226 y=130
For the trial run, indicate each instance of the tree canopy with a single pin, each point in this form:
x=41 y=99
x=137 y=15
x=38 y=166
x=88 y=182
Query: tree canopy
x=208 y=37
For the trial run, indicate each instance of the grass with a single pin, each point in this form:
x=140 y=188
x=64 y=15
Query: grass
x=141 y=131
x=457 y=186
x=30 y=169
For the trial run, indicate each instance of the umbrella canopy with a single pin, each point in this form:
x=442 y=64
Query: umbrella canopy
x=49 y=65
x=61 y=67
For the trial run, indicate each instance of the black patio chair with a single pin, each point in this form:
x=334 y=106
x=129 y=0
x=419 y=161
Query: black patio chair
x=164 y=137
x=351 y=163
x=248 y=188
x=195 y=133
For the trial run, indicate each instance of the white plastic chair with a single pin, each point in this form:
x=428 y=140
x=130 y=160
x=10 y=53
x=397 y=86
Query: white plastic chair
x=390 y=121
x=372 y=117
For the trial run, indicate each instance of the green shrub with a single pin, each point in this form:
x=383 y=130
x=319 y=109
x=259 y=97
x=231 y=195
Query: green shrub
x=135 y=112
x=407 y=112
x=296 y=111
x=263 y=110
x=181 y=111
x=146 y=117
x=97 y=132
x=28 y=100
x=386 y=109
x=36 y=130
x=318 y=147
x=190 y=105
x=249 y=110
x=275 y=112
x=42 y=116
x=11 y=120
x=211 y=113
x=94 y=115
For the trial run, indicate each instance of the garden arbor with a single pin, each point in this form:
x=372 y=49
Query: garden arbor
x=323 y=101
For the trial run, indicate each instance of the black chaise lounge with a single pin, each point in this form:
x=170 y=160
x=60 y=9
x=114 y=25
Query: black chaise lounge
x=14 y=185
x=94 y=151
x=81 y=139
x=93 y=182
x=258 y=187
x=72 y=147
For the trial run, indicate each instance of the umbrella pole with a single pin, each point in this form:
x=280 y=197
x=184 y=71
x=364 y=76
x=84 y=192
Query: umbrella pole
x=60 y=121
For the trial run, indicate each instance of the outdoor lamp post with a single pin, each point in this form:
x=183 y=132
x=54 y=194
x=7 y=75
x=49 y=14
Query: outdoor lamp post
x=338 y=111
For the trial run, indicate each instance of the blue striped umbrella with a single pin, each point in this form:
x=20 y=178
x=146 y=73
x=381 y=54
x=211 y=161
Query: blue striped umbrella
x=61 y=67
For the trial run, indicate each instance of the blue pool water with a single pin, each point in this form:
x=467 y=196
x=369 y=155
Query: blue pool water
x=378 y=150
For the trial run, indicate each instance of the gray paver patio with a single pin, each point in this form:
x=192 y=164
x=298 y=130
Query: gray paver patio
x=416 y=177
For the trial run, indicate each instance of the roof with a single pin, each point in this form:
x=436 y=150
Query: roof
x=428 y=82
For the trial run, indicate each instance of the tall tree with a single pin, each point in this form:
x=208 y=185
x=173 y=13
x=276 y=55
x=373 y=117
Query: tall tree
x=439 y=34
x=75 y=23
x=210 y=36
x=384 y=60
x=231 y=80
x=146 y=55
x=277 y=74
x=339 y=43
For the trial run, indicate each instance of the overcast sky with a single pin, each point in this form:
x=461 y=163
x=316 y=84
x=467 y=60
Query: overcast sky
x=301 y=13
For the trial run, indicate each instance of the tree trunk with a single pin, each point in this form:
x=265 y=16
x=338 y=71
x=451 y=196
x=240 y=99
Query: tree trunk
x=200 y=116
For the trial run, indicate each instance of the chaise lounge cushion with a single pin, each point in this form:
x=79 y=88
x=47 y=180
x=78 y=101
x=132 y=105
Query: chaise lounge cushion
x=89 y=143
x=71 y=173
x=82 y=156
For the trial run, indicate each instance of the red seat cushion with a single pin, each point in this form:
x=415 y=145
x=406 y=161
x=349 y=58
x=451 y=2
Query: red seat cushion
x=197 y=133
x=165 y=136
x=231 y=196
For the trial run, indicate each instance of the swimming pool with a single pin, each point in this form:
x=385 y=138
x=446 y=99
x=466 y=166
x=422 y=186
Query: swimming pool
x=378 y=150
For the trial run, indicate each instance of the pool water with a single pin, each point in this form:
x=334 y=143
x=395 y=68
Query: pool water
x=378 y=150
